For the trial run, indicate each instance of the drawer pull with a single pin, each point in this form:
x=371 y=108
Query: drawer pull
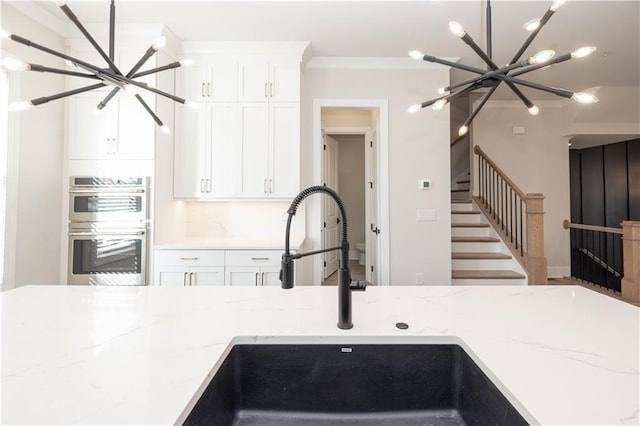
x=188 y=258
x=259 y=258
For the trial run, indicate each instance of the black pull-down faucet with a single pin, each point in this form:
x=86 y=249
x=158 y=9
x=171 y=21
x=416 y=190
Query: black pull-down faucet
x=345 y=285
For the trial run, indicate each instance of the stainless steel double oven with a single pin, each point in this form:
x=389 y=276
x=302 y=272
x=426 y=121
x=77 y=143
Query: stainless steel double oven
x=108 y=230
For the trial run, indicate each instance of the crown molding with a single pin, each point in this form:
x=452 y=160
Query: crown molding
x=406 y=63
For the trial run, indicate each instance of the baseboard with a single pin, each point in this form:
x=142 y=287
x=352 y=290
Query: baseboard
x=558 y=271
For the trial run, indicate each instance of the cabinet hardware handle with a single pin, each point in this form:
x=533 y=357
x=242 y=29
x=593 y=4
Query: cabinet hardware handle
x=257 y=278
x=266 y=93
x=184 y=279
x=109 y=146
x=208 y=90
x=262 y=279
x=208 y=185
x=265 y=186
x=259 y=258
x=191 y=278
x=271 y=186
x=188 y=258
x=116 y=145
x=202 y=91
x=202 y=186
x=271 y=90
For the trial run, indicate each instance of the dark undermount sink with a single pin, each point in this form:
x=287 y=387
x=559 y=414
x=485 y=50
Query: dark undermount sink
x=364 y=384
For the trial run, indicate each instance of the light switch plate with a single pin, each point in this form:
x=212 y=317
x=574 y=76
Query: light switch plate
x=424 y=215
x=424 y=184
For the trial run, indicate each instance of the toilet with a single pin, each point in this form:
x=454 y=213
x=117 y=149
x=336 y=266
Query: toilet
x=361 y=247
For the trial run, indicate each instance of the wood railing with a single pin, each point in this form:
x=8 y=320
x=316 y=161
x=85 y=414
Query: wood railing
x=517 y=216
x=608 y=257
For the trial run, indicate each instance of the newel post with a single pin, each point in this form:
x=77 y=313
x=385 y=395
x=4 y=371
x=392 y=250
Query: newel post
x=631 y=259
x=535 y=261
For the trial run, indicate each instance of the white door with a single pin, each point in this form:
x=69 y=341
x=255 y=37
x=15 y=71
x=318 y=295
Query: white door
x=207 y=275
x=254 y=138
x=371 y=201
x=191 y=153
x=242 y=276
x=284 y=81
x=223 y=157
x=284 y=162
x=253 y=80
x=270 y=276
x=92 y=133
x=331 y=213
x=136 y=128
x=175 y=276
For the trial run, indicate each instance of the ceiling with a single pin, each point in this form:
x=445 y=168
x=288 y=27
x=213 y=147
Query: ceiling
x=392 y=28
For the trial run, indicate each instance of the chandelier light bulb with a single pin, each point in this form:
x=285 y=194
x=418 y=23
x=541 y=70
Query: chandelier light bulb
x=583 y=51
x=414 y=108
x=159 y=43
x=456 y=29
x=14 y=64
x=416 y=54
x=61 y=3
x=463 y=130
x=130 y=89
x=192 y=105
x=165 y=130
x=556 y=5
x=534 y=110
x=439 y=104
x=584 y=98
x=441 y=91
x=187 y=62
x=4 y=35
x=531 y=25
x=20 y=106
x=542 y=56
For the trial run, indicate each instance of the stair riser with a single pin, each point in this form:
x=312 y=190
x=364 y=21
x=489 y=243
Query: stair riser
x=479 y=282
x=470 y=232
x=463 y=207
x=465 y=218
x=482 y=264
x=475 y=247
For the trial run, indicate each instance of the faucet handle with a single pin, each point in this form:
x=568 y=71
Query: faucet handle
x=358 y=285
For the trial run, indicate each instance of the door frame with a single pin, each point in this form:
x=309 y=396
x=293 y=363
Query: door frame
x=314 y=213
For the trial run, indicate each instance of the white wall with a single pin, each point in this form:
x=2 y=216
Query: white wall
x=418 y=149
x=40 y=133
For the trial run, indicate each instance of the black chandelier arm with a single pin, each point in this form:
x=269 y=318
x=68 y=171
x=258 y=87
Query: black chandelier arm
x=451 y=96
x=487 y=75
x=545 y=18
x=429 y=58
x=42 y=68
x=154 y=90
x=473 y=45
x=479 y=106
x=107 y=98
x=45 y=99
x=150 y=111
x=156 y=70
x=148 y=54
x=554 y=90
x=18 y=39
x=529 y=68
x=489 y=31
x=112 y=29
x=67 y=11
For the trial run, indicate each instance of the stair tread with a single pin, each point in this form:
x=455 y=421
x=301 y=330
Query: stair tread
x=464 y=181
x=460 y=190
x=464 y=212
x=479 y=255
x=460 y=201
x=483 y=275
x=475 y=239
x=469 y=225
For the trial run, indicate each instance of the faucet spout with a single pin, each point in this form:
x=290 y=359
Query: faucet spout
x=344 y=274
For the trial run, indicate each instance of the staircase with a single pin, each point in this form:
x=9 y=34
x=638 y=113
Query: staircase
x=479 y=257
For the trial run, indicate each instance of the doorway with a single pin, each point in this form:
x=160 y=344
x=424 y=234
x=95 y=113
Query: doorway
x=361 y=124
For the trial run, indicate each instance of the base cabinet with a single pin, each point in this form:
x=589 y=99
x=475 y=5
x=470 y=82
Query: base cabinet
x=217 y=267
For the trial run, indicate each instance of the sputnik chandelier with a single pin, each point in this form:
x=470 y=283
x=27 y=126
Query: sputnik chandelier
x=109 y=76
x=494 y=75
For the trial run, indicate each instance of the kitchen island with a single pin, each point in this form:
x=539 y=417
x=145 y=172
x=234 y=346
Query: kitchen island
x=138 y=355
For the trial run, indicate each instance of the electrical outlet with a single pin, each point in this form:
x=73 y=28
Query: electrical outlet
x=419 y=278
x=423 y=215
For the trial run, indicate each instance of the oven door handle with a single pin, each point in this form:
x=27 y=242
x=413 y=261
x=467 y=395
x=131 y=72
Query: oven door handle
x=106 y=191
x=98 y=234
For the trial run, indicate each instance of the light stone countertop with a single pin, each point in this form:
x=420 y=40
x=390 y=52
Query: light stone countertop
x=137 y=355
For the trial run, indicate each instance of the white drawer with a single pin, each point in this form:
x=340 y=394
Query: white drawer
x=253 y=257
x=189 y=258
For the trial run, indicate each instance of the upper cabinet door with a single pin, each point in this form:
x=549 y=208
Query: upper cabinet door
x=213 y=80
x=254 y=140
x=260 y=81
x=191 y=153
x=284 y=81
x=224 y=150
x=136 y=128
x=253 y=80
x=92 y=134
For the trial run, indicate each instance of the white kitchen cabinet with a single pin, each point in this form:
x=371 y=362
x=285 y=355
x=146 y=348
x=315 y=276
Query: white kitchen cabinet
x=262 y=80
x=252 y=267
x=270 y=141
x=122 y=130
x=210 y=80
x=189 y=267
x=206 y=152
